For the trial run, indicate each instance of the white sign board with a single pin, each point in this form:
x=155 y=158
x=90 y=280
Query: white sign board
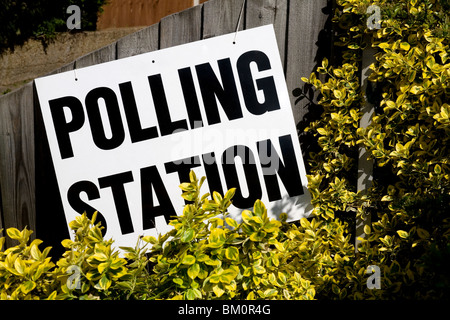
x=123 y=135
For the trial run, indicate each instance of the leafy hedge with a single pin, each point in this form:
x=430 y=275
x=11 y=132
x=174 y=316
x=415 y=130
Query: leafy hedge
x=408 y=139
x=207 y=255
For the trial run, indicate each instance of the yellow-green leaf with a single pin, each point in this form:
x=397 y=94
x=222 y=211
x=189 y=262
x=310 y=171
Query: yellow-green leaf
x=402 y=234
x=188 y=259
x=187 y=236
x=218 y=291
x=258 y=269
x=19 y=265
x=193 y=271
x=404 y=46
x=27 y=286
x=150 y=239
x=322 y=131
x=231 y=222
x=104 y=282
x=437 y=169
x=217 y=238
x=232 y=253
x=422 y=233
x=14 y=233
x=228 y=275
x=217 y=197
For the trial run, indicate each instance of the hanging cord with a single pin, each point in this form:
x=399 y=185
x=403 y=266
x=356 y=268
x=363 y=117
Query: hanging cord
x=239 y=20
x=75 y=71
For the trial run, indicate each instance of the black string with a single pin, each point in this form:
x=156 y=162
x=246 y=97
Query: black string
x=239 y=21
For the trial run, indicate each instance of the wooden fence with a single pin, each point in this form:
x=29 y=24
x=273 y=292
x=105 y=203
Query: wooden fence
x=28 y=189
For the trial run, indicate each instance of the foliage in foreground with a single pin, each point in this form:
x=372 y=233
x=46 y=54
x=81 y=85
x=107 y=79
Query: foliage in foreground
x=207 y=255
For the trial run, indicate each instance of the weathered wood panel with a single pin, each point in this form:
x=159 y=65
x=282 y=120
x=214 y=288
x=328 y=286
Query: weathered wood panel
x=104 y=54
x=306 y=23
x=17 y=163
x=225 y=22
x=145 y=40
x=181 y=28
x=263 y=12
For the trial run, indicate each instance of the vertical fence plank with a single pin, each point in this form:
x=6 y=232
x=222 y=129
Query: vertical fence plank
x=145 y=40
x=181 y=28
x=17 y=164
x=365 y=166
x=221 y=17
x=307 y=20
x=263 y=12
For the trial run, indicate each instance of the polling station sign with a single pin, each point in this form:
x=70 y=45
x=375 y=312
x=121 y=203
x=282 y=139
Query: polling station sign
x=124 y=134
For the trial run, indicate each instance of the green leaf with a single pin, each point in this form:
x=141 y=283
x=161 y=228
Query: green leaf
x=305 y=223
x=258 y=269
x=247 y=215
x=437 y=169
x=322 y=131
x=125 y=285
x=193 y=177
x=270 y=292
x=20 y=266
x=193 y=271
x=188 y=259
x=231 y=222
x=422 y=233
x=217 y=238
x=416 y=89
x=27 y=286
x=217 y=197
x=232 y=253
x=402 y=234
x=218 y=291
x=14 y=233
x=258 y=236
x=228 y=275
x=187 y=236
x=192 y=294
x=104 y=283
x=230 y=194
x=35 y=252
x=282 y=277
x=259 y=208
x=186 y=186
x=405 y=46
